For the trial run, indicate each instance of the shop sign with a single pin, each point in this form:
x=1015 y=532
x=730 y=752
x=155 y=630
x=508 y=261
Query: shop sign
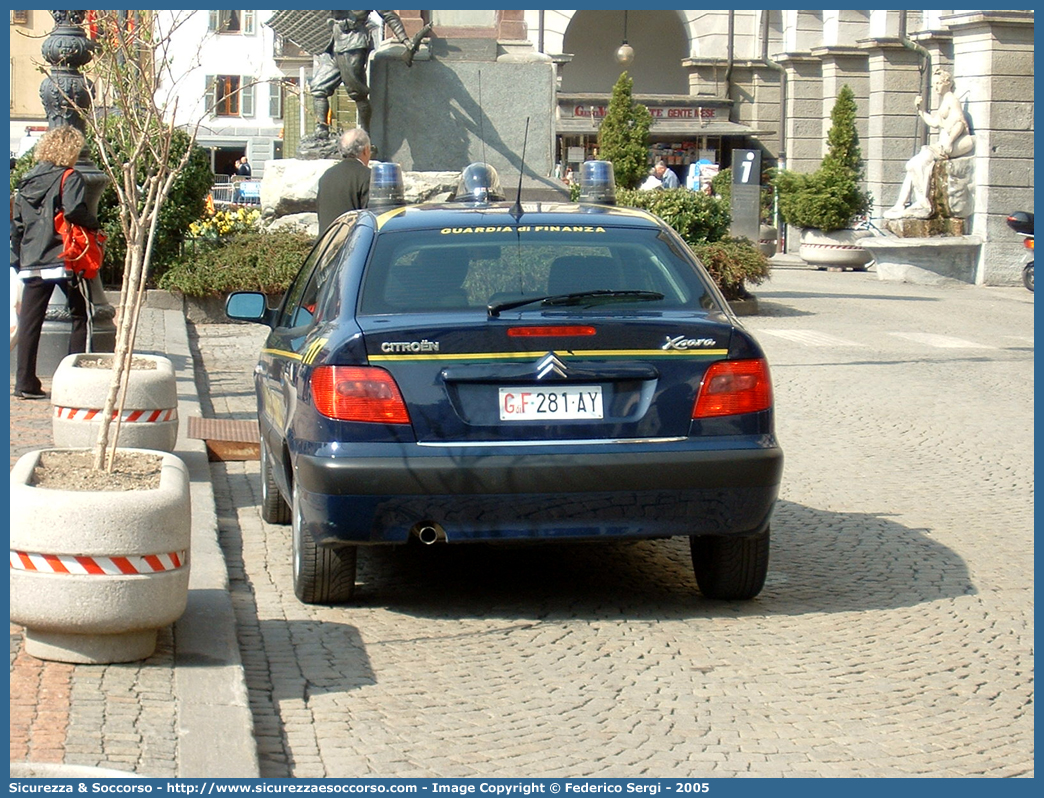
x=674 y=112
x=658 y=112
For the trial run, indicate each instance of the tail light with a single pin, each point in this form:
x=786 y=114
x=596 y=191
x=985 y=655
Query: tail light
x=1027 y=243
x=358 y=393
x=731 y=387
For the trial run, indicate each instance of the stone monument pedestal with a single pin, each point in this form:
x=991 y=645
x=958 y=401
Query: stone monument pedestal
x=460 y=104
x=924 y=228
x=926 y=261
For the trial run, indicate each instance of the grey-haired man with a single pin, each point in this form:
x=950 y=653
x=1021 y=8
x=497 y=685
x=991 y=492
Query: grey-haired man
x=345 y=186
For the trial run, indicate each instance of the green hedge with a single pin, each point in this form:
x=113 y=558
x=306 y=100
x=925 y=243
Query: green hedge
x=703 y=222
x=696 y=217
x=734 y=263
x=264 y=262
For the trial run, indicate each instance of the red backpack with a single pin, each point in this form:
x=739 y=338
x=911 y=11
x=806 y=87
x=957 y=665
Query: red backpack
x=82 y=248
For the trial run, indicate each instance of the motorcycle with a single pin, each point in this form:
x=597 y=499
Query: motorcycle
x=1022 y=223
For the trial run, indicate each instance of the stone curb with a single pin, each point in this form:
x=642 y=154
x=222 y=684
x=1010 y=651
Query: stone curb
x=215 y=724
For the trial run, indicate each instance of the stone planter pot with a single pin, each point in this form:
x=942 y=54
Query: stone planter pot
x=838 y=249
x=150 y=412
x=768 y=240
x=94 y=574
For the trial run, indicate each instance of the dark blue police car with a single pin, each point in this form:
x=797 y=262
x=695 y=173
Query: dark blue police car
x=484 y=370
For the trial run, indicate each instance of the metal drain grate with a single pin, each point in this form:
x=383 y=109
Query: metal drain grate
x=226 y=439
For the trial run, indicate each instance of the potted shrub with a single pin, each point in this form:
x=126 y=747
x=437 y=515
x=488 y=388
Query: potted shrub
x=825 y=203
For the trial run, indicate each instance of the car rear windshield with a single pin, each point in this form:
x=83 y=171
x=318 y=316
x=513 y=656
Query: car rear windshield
x=430 y=270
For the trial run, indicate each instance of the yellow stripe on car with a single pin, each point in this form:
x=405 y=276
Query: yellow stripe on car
x=588 y=353
x=282 y=353
x=313 y=350
x=384 y=217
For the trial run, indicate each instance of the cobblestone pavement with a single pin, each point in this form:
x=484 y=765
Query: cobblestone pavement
x=122 y=716
x=893 y=637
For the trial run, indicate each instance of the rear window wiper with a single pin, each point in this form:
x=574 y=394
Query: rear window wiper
x=587 y=298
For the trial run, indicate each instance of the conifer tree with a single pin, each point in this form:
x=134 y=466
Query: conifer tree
x=842 y=140
x=829 y=198
x=623 y=136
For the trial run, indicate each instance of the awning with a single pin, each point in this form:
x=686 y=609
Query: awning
x=309 y=30
x=677 y=128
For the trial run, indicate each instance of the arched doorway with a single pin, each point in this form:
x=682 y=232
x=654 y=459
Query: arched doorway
x=659 y=41
x=693 y=134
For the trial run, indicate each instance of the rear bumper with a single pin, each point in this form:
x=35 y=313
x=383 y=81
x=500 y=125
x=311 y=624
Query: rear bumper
x=615 y=491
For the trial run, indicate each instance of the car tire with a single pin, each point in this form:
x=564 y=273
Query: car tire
x=274 y=509
x=321 y=575
x=730 y=567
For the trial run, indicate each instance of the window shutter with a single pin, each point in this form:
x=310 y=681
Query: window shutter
x=212 y=21
x=248 y=22
x=275 y=99
x=246 y=94
x=210 y=93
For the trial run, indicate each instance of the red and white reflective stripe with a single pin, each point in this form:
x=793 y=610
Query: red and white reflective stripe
x=129 y=416
x=831 y=246
x=99 y=566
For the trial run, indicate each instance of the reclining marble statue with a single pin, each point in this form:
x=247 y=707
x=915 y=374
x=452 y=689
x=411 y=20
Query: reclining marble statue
x=954 y=141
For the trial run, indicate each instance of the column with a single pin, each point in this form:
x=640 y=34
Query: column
x=846 y=66
x=894 y=78
x=64 y=93
x=806 y=139
x=993 y=76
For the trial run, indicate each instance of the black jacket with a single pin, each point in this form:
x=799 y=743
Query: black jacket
x=34 y=243
x=345 y=186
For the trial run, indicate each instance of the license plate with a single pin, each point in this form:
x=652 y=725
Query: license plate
x=546 y=404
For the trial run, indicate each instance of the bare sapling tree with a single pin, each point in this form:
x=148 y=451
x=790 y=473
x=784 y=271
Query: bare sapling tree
x=133 y=124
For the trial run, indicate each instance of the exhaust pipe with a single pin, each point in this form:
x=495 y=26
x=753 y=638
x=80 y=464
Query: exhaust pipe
x=429 y=533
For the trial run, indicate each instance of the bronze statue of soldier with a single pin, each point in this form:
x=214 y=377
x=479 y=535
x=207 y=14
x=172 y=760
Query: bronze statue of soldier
x=344 y=61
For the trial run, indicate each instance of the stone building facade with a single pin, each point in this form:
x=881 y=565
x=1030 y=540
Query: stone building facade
x=716 y=81
x=779 y=71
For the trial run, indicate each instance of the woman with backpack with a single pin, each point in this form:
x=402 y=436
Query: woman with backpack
x=36 y=248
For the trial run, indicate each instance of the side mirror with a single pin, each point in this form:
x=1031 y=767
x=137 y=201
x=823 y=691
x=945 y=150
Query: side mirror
x=248 y=306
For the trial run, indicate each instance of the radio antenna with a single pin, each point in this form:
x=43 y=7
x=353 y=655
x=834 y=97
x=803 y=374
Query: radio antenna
x=482 y=118
x=516 y=210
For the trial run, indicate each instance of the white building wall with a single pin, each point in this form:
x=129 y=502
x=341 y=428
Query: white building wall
x=197 y=53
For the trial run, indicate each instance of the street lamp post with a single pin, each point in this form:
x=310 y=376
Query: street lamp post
x=64 y=92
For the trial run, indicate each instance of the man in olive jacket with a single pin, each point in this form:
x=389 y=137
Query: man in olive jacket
x=345 y=186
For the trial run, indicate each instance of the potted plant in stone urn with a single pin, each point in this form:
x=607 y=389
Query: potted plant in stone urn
x=825 y=203
x=100 y=536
